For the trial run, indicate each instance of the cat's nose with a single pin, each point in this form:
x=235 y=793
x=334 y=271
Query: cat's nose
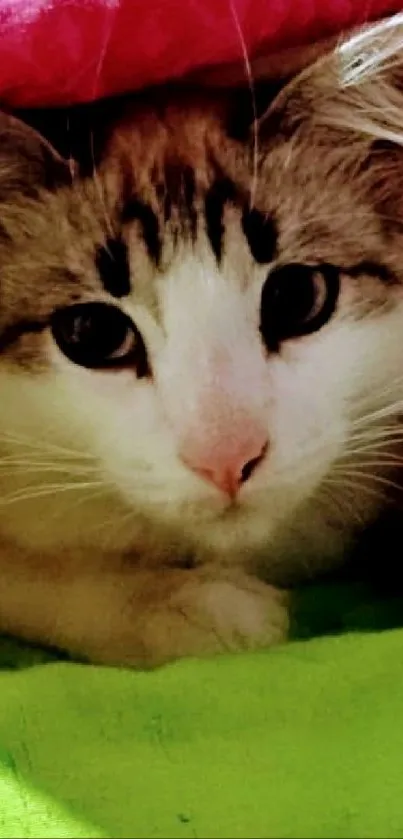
x=228 y=464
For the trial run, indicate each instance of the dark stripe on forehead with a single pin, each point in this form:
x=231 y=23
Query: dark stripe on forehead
x=136 y=210
x=261 y=233
x=220 y=193
x=112 y=261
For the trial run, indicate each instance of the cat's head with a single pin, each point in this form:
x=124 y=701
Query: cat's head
x=207 y=321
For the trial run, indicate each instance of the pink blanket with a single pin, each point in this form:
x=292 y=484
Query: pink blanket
x=63 y=51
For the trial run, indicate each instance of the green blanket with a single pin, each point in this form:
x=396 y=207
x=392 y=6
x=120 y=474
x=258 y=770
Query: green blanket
x=302 y=741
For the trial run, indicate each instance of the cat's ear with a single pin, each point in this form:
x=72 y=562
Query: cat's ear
x=27 y=161
x=360 y=87
x=355 y=87
x=256 y=83
x=79 y=133
x=358 y=93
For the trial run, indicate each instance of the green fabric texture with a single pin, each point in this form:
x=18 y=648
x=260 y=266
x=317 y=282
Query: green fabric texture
x=302 y=741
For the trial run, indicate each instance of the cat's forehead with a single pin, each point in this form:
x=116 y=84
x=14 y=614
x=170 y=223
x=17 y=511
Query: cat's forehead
x=174 y=170
x=312 y=181
x=180 y=169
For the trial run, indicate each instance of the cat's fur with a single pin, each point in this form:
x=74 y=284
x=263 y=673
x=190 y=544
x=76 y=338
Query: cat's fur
x=111 y=546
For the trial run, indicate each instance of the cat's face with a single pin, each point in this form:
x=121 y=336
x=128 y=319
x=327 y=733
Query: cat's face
x=202 y=323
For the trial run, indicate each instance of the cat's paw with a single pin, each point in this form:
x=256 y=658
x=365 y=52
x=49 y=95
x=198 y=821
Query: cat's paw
x=209 y=616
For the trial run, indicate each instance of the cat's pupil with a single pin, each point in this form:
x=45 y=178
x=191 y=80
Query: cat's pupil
x=98 y=335
x=297 y=300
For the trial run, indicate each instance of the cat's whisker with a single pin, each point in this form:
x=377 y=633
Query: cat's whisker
x=378 y=414
x=371 y=478
x=372 y=460
x=96 y=179
x=376 y=443
x=377 y=432
x=39 y=462
x=358 y=408
x=44 y=446
x=28 y=463
x=386 y=447
x=47 y=470
x=86 y=466
x=345 y=480
x=251 y=85
x=375 y=463
x=101 y=195
x=42 y=491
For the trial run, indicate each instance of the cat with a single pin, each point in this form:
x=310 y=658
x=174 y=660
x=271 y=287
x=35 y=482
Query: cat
x=200 y=358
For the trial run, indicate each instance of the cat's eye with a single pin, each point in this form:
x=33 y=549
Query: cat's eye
x=99 y=335
x=297 y=300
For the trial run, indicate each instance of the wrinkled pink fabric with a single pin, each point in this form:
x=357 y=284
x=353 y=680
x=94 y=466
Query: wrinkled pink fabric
x=62 y=51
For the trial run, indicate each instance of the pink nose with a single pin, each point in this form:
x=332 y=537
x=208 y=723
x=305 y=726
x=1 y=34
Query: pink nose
x=229 y=463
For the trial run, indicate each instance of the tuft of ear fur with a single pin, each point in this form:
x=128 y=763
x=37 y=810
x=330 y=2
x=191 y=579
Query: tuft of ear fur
x=368 y=70
x=373 y=51
x=358 y=87
x=27 y=161
x=349 y=106
x=367 y=101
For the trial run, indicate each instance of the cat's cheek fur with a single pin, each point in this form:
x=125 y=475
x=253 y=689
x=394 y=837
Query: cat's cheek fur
x=118 y=425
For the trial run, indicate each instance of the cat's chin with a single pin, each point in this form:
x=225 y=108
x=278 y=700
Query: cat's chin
x=227 y=530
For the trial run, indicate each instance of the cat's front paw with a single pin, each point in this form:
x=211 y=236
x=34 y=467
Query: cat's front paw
x=209 y=616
